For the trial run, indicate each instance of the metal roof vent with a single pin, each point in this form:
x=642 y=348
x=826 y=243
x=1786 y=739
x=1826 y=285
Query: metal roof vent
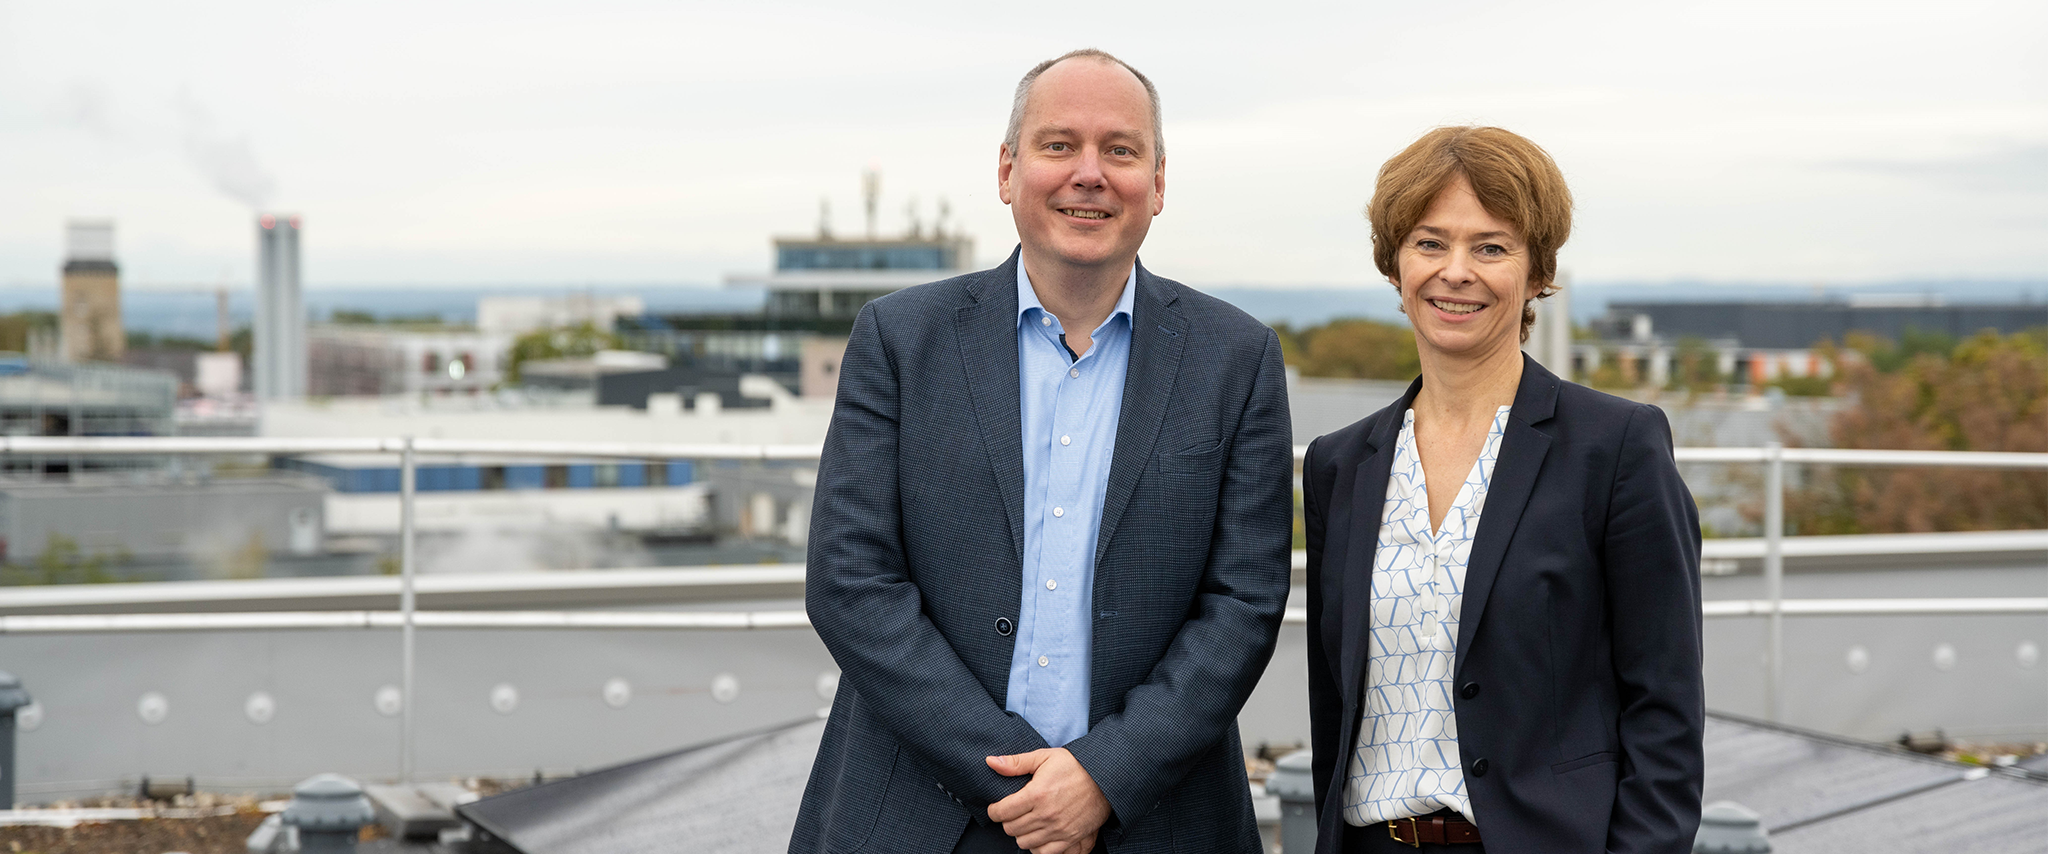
x=1727 y=827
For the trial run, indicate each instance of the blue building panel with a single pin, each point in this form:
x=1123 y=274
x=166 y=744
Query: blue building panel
x=470 y=478
x=526 y=477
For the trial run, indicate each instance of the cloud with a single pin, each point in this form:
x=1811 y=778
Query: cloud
x=84 y=105
x=228 y=162
x=2014 y=169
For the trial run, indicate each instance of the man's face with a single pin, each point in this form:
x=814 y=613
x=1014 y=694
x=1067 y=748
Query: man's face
x=1084 y=183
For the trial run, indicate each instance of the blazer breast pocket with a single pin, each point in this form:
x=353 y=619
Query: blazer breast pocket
x=1189 y=484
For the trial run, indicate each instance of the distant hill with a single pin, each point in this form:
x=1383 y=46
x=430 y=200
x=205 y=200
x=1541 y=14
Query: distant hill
x=191 y=313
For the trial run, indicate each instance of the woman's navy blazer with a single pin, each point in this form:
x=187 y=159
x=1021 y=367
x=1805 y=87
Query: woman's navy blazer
x=1579 y=698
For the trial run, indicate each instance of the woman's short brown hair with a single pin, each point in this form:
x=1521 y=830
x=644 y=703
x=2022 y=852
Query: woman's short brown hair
x=1513 y=177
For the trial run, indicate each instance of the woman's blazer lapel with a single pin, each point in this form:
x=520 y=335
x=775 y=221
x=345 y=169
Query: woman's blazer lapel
x=1522 y=449
x=1362 y=536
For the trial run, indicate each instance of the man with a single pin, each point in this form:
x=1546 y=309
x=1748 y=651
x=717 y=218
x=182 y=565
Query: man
x=1049 y=548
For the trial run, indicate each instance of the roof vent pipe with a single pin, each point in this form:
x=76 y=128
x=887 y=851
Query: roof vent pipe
x=12 y=698
x=1727 y=827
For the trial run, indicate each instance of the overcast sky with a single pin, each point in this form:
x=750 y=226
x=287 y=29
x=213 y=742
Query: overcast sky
x=664 y=142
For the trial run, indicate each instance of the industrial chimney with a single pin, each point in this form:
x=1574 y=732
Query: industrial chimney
x=280 y=345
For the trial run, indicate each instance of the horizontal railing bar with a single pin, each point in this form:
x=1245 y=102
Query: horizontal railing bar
x=300 y=620
x=654 y=582
x=1858 y=545
x=154 y=445
x=683 y=581
x=1876 y=607
x=796 y=619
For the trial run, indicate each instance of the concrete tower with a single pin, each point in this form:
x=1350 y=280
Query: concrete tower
x=89 y=325
x=280 y=345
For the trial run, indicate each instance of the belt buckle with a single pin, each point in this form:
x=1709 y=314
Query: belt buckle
x=1416 y=832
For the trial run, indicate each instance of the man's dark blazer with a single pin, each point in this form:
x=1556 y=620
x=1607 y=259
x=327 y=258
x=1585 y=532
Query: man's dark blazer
x=916 y=570
x=1579 y=700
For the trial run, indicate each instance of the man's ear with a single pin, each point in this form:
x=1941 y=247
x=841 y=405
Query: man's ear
x=1159 y=187
x=1005 y=161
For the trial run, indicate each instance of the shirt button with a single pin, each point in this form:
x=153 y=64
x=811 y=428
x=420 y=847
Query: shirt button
x=1045 y=321
x=1052 y=584
x=1059 y=511
x=1074 y=372
x=1066 y=440
x=1043 y=661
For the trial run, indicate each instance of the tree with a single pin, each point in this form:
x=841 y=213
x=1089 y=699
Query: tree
x=1987 y=393
x=565 y=343
x=1355 y=349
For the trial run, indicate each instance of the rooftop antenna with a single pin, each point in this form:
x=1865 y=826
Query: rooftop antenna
x=871 y=194
x=824 y=218
x=945 y=213
x=910 y=211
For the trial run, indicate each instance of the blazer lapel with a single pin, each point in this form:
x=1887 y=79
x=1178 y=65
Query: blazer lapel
x=1522 y=448
x=1158 y=335
x=988 y=345
x=1368 y=503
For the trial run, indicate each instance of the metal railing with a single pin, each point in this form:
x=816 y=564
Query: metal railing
x=408 y=617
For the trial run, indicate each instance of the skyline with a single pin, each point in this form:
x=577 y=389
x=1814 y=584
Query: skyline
x=517 y=146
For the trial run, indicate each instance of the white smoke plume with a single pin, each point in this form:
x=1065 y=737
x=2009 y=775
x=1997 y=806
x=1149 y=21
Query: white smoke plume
x=228 y=162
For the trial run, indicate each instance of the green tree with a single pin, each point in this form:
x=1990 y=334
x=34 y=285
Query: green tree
x=1357 y=349
x=1698 y=368
x=62 y=562
x=15 y=328
x=569 y=342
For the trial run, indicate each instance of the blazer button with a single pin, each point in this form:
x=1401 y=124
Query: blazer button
x=1003 y=626
x=1470 y=690
x=1479 y=767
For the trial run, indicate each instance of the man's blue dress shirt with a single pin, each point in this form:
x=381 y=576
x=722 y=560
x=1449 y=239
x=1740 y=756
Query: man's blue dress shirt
x=1070 y=409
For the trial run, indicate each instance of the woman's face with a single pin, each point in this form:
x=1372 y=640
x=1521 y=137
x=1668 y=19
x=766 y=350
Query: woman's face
x=1464 y=277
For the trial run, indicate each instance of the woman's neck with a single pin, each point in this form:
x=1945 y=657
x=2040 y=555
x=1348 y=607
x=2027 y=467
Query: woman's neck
x=1463 y=389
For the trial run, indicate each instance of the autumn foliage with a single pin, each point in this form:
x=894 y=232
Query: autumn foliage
x=1987 y=393
x=1353 y=349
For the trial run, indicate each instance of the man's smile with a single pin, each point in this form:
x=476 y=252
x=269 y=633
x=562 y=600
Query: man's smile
x=1085 y=214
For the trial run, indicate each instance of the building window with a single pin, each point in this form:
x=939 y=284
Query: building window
x=493 y=477
x=556 y=477
x=605 y=475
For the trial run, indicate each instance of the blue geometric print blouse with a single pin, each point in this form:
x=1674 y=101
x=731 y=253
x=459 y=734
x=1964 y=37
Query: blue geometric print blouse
x=1405 y=762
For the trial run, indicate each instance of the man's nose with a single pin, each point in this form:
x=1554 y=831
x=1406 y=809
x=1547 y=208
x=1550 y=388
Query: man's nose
x=1088 y=171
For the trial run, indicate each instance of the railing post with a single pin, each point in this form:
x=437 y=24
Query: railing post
x=1774 y=581
x=407 y=566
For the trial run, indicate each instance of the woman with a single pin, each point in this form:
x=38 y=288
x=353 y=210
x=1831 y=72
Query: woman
x=1503 y=567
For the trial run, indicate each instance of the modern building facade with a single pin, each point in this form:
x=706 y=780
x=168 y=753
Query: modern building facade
x=1801 y=325
x=280 y=329
x=1756 y=343
x=89 y=320
x=352 y=361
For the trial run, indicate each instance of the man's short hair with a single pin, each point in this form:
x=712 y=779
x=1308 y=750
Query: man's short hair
x=1016 y=131
x=1514 y=179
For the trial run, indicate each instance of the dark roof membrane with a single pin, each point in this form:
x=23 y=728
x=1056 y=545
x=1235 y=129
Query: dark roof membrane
x=737 y=794
x=1816 y=794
